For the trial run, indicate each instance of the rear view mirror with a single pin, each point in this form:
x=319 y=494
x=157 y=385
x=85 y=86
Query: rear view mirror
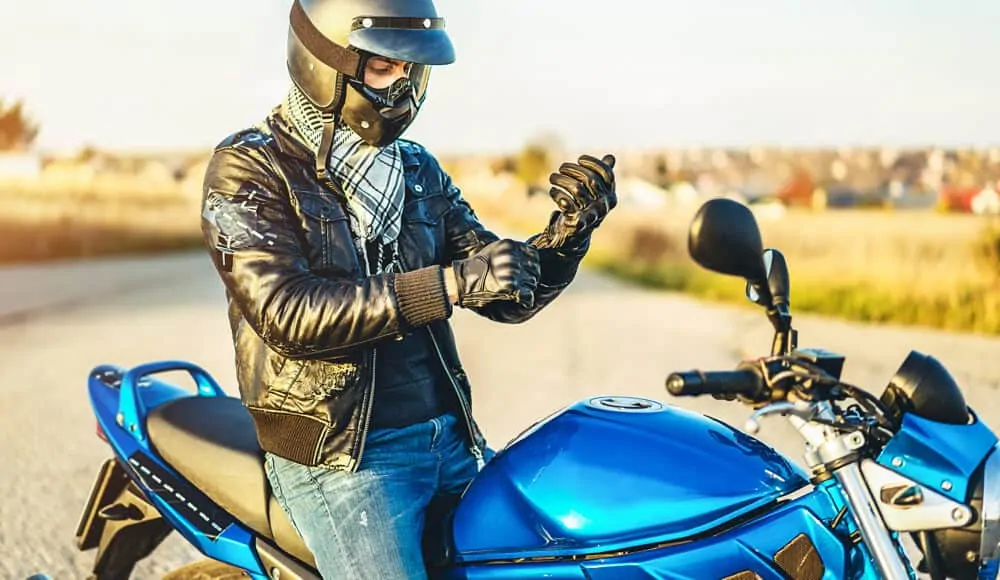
x=724 y=238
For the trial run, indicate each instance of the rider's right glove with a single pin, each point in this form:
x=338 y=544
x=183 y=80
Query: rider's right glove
x=503 y=271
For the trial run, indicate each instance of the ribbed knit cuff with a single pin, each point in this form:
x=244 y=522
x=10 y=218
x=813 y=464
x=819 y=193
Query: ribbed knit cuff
x=422 y=296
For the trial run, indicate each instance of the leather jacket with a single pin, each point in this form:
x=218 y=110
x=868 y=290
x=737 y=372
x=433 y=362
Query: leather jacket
x=306 y=320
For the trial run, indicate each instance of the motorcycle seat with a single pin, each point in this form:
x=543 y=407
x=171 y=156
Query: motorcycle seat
x=211 y=441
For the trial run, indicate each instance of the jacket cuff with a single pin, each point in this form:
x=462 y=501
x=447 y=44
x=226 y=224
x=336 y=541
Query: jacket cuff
x=575 y=247
x=422 y=296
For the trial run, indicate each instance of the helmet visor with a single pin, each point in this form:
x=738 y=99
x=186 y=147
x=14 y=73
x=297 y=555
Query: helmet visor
x=416 y=40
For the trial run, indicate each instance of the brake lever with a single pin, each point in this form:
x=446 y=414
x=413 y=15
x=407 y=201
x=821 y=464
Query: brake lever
x=801 y=409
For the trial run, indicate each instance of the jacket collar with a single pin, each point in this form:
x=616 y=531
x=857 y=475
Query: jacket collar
x=410 y=155
x=290 y=142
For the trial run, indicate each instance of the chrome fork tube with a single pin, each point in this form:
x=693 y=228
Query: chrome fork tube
x=873 y=531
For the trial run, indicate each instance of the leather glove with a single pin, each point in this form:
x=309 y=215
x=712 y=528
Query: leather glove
x=585 y=193
x=503 y=271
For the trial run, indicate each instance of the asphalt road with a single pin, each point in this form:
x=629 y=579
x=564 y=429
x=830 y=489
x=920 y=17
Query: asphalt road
x=60 y=320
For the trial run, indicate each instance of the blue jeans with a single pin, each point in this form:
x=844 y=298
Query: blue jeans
x=369 y=524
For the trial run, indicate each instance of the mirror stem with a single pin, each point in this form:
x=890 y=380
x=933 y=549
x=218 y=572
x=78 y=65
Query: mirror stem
x=780 y=317
x=785 y=341
x=786 y=338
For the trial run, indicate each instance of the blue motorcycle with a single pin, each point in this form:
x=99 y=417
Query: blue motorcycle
x=610 y=487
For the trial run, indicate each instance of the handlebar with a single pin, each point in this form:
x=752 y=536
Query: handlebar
x=746 y=382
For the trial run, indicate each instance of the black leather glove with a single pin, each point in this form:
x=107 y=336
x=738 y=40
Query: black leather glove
x=503 y=271
x=585 y=193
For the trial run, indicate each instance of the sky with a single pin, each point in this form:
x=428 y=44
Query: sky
x=634 y=74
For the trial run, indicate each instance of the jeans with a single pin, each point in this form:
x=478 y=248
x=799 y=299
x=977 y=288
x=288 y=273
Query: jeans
x=369 y=524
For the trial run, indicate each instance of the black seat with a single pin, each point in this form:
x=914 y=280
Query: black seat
x=211 y=441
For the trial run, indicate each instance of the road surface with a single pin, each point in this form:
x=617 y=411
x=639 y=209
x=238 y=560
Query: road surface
x=602 y=337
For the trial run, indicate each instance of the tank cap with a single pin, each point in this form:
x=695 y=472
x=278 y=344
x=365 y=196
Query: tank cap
x=626 y=404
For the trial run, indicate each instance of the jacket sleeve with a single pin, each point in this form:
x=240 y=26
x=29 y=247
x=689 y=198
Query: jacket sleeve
x=466 y=235
x=253 y=235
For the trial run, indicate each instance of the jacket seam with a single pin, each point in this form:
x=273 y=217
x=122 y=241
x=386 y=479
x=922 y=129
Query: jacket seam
x=291 y=383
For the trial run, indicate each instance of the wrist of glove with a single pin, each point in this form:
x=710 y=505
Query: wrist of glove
x=557 y=236
x=585 y=194
x=503 y=271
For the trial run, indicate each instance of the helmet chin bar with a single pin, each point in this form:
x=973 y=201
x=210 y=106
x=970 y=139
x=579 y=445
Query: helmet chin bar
x=377 y=124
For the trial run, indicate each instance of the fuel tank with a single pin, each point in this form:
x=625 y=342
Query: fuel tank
x=614 y=473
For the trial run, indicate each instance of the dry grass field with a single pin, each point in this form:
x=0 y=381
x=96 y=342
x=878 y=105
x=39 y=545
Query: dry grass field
x=65 y=218
x=909 y=267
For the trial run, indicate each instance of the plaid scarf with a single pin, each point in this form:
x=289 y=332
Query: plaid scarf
x=371 y=177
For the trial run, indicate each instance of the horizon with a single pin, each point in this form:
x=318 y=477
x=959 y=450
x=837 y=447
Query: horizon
x=154 y=151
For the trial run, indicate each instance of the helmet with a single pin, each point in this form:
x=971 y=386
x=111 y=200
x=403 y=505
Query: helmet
x=329 y=42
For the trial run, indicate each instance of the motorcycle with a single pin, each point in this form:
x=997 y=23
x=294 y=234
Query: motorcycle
x=610 y=486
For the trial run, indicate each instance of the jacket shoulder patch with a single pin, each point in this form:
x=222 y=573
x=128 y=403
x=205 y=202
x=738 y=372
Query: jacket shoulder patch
x=252 y=137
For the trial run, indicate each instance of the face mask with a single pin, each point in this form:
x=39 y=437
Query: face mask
x=380 y=116
x=390 y=97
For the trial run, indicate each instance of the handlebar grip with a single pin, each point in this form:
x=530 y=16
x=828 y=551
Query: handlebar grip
x=693 y=383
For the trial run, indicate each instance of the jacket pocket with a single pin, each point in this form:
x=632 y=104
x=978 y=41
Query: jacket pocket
x=427 y=209
x=284 y=379
x=423 y=220
x=326 y=232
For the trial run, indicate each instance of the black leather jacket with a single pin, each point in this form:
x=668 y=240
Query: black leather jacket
x=305 y=319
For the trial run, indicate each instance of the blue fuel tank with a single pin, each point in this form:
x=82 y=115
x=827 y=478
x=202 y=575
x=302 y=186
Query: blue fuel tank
x=614 y=473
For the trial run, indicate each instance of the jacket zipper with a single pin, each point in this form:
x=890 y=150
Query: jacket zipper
x=466 y=411
x=368 y=415
x=371 y=388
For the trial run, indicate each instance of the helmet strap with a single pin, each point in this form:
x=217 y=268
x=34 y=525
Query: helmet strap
x=329 y=116
x=325 y=144
x=328 y=52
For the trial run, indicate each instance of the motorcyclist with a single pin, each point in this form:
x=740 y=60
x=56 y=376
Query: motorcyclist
x=343 y=250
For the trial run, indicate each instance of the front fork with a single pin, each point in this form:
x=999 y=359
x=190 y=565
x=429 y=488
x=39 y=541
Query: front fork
x=883 y=548
x=827 y=447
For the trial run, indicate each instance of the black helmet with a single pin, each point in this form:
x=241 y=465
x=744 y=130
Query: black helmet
x=329 y=42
